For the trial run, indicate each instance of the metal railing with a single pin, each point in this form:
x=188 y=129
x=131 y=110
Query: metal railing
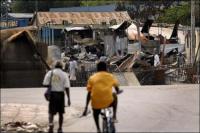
x=182 y=74
x=169 y=74
x=85 y=70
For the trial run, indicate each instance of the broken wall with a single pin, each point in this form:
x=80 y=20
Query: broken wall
x=20 y=65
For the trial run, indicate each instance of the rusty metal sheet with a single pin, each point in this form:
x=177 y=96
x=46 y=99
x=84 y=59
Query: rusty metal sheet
x=82 y=17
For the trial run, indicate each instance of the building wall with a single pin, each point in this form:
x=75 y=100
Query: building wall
x=23 y=22
x=20 y=67
x=197 y=44
x=14 y=22
x=102 y=8
x=6 y=24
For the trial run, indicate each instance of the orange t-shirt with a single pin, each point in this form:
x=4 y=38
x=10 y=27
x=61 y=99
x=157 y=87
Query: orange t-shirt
x=100 y=85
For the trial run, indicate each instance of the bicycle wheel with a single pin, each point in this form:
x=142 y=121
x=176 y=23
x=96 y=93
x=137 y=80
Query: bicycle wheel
x=111 y=126
x=105 y=126
x=113 y=130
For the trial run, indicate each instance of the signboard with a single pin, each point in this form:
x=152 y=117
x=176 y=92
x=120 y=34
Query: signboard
x=8 y=24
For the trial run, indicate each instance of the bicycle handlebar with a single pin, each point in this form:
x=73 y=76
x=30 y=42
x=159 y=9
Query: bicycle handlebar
x=119 y=92
x=86 y=112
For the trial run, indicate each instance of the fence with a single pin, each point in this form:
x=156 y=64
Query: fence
x=168 y=75
x=86 y=69
x=182 y=74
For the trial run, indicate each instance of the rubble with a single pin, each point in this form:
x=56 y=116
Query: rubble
x=23 y=127
x=91 y=45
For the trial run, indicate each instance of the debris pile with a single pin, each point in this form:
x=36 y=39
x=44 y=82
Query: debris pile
x=125 y=49
x=23 y=127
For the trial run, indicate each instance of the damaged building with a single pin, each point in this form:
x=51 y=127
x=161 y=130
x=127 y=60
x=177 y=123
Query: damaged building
x=66 y=28
x=22 y=58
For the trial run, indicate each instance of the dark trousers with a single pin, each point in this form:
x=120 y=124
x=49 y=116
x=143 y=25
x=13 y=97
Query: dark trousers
x=96 y=112
x=57 y=103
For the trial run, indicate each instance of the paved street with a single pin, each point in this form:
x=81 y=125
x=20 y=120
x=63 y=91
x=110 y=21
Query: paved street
x=172 y=108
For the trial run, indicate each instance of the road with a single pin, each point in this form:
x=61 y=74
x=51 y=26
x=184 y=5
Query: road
x=173 y=108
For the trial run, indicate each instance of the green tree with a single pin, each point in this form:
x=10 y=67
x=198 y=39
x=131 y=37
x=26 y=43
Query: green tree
x=29 y=6
x=5 y=7
x=181 y=12
x=96 y=2
x=141 y=9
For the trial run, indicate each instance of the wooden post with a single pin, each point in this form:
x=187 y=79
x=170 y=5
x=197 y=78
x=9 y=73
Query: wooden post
x=163 y=54
x=192 y=31
x=138 y=30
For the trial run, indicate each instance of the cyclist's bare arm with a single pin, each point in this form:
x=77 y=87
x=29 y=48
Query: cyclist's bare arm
x=68 y=95
x=118 y=90
x=87 y=103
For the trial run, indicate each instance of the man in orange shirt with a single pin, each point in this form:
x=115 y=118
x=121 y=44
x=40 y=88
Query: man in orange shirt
x=100 y=92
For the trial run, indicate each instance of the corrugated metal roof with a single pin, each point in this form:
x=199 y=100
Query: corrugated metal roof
x=82 y=18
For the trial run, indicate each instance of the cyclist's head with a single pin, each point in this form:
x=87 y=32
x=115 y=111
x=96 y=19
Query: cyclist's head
x=58 y=64
x=101 y=66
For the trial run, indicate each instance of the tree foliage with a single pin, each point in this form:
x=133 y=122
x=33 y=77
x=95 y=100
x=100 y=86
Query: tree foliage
x=137 y=9
x=141 y=9
x=5 y=7
x=181 y=12
x=96 y=2
x=29 y=6
x=44 y=5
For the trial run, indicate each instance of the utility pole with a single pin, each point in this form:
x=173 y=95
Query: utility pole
x=36 y=23
x=87 y=5
x=137 y=23
x=5 y=5
x=193 y=41
x=36 y=8
x=138 y=30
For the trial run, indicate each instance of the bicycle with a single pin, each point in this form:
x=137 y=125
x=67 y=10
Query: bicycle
x=107 y=117
x=107 y=123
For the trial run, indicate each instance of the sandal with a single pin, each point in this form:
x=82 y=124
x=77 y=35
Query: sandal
x=59 y=130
